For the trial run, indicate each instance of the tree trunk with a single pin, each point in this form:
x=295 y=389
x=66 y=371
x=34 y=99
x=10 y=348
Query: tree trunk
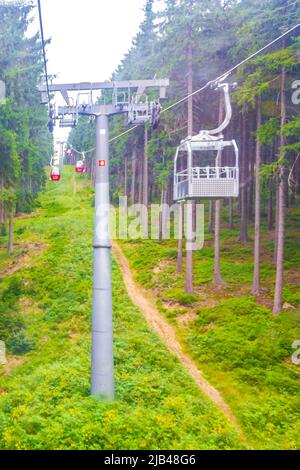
x=218 y=281
x=297 y=175
x=244 y=213
x=160 y=232
x=145 y=169
x=276 y=220
x=270 y=207
x=270 y=197
x=189 y=221
x=140 y=177
x=211 y=218
x=145 y=181
x=1 y=204
x=231 y=222
x=10 y=247
x=163 y=215
x=180 y=233
x=251 y=184
x=126 y=177
x=189 y=251
x=277 y=307
x=293 y=186
x=180 y=237
x=256 y=275
x=286 y=191
x=133 y=173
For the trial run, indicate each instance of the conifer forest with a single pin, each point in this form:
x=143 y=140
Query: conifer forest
x=150 y=231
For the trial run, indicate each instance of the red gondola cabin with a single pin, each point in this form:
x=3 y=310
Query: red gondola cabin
x=55 y=174
x=79 y=168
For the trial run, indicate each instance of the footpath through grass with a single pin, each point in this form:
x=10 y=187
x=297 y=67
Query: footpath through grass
x=45 y=314
x=243 y=350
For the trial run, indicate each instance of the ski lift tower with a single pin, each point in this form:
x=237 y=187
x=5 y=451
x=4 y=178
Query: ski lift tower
x=129 y=98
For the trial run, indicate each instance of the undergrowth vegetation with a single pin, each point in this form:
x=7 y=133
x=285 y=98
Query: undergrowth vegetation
x=44 y=391
x=243 y=350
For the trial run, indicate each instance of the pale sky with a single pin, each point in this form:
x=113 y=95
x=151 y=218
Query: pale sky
x=89 y=37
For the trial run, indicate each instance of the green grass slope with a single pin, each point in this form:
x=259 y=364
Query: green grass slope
x=243 y=350
x=45 y=316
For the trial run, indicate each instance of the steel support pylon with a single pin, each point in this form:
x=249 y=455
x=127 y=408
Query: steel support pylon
x=102 y=368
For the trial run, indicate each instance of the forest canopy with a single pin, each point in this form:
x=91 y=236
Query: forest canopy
x=193 y=42
x=25 y=141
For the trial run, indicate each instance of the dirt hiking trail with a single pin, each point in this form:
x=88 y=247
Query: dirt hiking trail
x=143 y=299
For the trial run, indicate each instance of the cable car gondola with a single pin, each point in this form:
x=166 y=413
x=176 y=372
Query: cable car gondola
x=198 y=169
x=55 y=174
x=79 y=167
x=143 y=110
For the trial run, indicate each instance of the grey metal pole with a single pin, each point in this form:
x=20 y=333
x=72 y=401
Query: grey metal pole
x=102 y=371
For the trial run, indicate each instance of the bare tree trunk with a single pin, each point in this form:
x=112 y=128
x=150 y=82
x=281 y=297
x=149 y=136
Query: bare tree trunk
x=10 y=247
x=170 y=191
x=150 y=185
x=276 y=220
x=133 y=173
x=211 y=217
x=189 y=221
x=180 y=233
x=180 y=237
x=126 y=177
x=293 y=187
x=189 y=251
x=145 y=169
x=160 y=233
x=163 y=215
x=270 y=208
x=244 y=214
x=277 y=307
x=250 y=166
x=251 y=184
x=231 y=223
x=145 y=180
x=1 y=204
x=140 y=177
x=286 y=190
x=218 y=281
x=256 y=275
x=297 y=176
x=270 y=199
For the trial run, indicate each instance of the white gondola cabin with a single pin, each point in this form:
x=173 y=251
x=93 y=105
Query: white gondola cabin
x=143 y=110
x=198 y=168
